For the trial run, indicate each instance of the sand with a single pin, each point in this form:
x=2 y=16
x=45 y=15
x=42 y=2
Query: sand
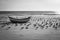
x=29 y=34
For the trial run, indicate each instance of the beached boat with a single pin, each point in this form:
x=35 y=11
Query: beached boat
x=20 y=20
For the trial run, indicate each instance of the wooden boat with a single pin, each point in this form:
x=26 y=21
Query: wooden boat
x=21 y=20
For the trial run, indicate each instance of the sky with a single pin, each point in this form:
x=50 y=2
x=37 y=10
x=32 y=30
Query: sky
x=30 y=5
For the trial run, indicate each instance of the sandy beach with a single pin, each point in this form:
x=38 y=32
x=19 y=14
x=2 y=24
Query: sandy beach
x=14 y=33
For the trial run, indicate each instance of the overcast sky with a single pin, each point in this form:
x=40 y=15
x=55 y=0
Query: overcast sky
x=29 y=5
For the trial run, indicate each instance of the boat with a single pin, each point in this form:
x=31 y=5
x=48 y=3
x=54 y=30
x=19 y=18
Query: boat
x=20 y=20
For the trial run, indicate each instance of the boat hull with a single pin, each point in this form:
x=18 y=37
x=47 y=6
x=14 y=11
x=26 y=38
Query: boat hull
x=22 y=20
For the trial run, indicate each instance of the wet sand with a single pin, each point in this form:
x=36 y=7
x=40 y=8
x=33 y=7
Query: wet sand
x=30 y=34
